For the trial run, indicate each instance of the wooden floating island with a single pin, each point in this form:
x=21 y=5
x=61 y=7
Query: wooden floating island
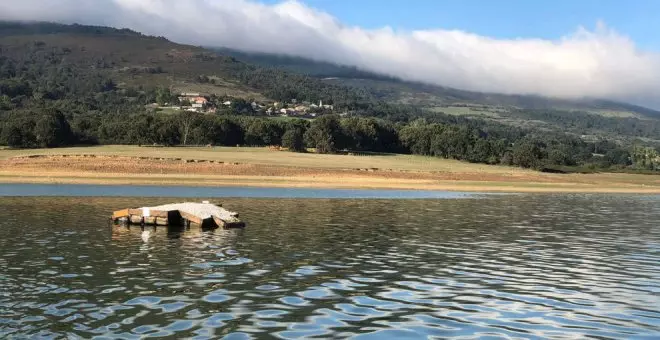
x=204 y=214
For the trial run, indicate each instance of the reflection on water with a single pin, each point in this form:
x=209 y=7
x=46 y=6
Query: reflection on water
x=509 y=266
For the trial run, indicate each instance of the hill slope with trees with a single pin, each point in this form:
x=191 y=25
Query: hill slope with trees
x=73 y=84
x=393 y=89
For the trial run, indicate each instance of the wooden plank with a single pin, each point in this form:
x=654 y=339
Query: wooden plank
x=120 y=213
x=152 y=213
x=191 y=217
x=159 y=213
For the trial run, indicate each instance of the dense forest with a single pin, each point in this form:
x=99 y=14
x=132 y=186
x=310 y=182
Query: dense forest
x=56 y=90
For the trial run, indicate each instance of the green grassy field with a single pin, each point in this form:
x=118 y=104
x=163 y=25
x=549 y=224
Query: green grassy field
x=617 y=114
x=467 y=111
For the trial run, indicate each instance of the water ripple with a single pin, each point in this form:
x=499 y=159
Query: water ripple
x=525 y=266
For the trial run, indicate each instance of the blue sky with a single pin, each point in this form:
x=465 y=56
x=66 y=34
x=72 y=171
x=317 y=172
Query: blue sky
x=548 y=19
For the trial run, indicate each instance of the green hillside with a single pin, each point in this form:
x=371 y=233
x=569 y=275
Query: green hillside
x=437 y=98
x=461 y=102
x=133 y=60
x=589 y=118
x=73 y=84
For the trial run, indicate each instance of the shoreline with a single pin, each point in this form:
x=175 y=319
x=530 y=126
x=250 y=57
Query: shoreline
x=486 y=188
x=273 y=169
x=305 y=182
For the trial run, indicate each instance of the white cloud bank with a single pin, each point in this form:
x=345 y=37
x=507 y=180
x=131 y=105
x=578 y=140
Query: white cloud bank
x=599 y=63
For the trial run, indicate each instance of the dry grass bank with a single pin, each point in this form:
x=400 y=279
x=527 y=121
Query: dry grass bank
x=266 y=156
x=264 y=167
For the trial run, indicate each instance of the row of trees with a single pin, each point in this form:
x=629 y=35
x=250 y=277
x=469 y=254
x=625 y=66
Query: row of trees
x=327 y=134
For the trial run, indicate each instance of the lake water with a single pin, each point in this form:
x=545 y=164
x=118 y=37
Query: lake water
x=515 y=266
x=85 y=190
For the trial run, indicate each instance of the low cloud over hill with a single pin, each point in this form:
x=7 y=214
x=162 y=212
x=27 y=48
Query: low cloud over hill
x=594 y=63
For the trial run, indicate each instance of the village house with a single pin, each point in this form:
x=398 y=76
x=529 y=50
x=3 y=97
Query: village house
x=191 y=101
x=301 y=108
x=321 y=105
x=199 y=102
x=188 y=96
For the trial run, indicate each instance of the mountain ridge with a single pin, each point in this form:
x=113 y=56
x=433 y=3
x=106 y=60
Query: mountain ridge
x=383 y=87
x=68 y=84
x=391 y=88
x=95 y=57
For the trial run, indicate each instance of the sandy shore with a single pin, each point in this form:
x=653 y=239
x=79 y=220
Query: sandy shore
x=118 y=169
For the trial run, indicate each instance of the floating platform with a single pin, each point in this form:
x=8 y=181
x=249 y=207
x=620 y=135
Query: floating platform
x=204 y=214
